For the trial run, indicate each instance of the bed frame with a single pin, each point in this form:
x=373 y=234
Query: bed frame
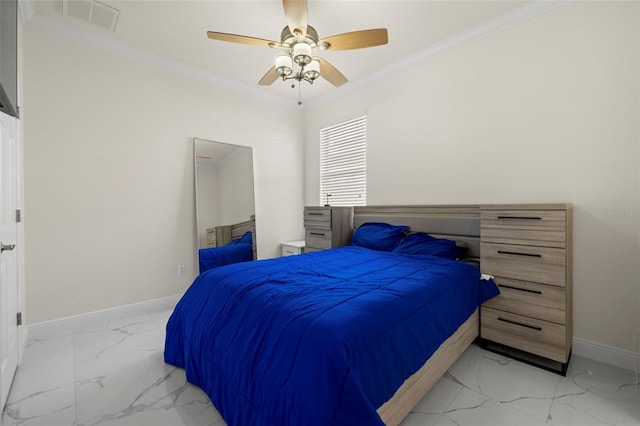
x=457 y=222
x=226 y=233
x=416 y=387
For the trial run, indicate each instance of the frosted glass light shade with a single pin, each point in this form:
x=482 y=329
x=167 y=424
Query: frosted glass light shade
x=302 y=53
x=312 y=71
x=284 y=67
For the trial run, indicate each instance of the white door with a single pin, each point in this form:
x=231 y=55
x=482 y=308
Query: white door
x=8 y=256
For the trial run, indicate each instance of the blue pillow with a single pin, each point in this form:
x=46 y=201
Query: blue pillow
x=378 y=236
x=421 y=243
x=246 y=239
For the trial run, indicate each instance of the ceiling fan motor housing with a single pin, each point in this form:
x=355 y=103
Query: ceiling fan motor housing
x=289 y=39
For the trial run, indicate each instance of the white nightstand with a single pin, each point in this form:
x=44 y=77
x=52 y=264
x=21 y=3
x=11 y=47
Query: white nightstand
x=292 y=247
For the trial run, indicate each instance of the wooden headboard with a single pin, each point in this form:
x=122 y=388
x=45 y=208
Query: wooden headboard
x=222 y=235
x=239 y=229
x=455 y=222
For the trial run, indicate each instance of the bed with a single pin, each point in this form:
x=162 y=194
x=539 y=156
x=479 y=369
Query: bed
x=347 y=336
x=233 y=244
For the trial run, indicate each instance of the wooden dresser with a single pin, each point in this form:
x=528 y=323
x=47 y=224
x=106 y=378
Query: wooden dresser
x=527 y=248
x=327 y=227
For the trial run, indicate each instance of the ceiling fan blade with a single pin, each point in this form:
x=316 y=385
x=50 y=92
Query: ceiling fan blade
x=356 y=39
x=330 y=73
x=296 y=13
x=234 y=38
x=269 y=77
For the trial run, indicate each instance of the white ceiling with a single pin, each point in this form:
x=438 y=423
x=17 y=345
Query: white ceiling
x=175 y=31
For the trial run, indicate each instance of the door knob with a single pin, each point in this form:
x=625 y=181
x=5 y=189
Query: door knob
x=7 y=247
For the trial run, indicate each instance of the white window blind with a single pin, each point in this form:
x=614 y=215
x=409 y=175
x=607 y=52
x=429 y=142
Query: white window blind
x=343 y=163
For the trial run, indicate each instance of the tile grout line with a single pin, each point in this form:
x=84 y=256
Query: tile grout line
x=462 y=387
x=553 y=401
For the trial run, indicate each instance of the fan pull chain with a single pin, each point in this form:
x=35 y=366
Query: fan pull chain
x=299 y=94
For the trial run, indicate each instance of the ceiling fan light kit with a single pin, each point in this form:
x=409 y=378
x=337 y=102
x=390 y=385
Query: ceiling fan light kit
x=299 y=41
x=312 y=71
x=284 y=65
x=301 y=53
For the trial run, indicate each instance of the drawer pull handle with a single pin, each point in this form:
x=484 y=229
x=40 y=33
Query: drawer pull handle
x=519 y=254
x=520 y=217
x=520 y=324
x=314 y=214
x=317 y=233
x=520 y=289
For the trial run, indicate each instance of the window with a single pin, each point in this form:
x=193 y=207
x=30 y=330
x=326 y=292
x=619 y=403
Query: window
x=343 y=163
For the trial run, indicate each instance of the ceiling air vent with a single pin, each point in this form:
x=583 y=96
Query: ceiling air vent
x=93 y=12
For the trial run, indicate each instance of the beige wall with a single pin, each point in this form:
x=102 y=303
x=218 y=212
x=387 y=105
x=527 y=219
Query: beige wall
x=545 y=111
x=109 y=186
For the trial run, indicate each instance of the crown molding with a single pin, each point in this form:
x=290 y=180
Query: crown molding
x=515 y=16
x=46 y=24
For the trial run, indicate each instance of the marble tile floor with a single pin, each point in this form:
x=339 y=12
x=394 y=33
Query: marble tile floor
x=112 y=373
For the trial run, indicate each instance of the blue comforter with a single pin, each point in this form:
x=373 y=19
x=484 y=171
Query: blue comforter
x=323 y=338
x=215 y=257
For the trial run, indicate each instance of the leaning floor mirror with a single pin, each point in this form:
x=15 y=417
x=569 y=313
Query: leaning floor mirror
x=225 y=206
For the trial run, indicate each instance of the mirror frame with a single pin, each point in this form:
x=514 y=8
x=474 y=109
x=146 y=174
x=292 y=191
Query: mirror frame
x=244 y=223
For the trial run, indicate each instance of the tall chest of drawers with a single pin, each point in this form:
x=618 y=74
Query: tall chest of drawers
x=527 y=248
x=327 y=227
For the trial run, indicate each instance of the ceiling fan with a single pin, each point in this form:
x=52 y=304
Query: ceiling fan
x=299 y=40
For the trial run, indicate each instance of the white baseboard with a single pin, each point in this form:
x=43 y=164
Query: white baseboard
x=604 y=353
x=89 y=320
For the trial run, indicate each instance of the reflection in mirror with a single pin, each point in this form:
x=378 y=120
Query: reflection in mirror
x=225 y=206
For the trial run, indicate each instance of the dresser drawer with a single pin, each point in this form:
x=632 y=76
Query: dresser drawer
x=545 y=265
x=531 y=335
x=524 y=237
x=317 y=218
x=529 y=227
x=211 y=237
x=318 y=238
x=540 y=219
x=531 y=300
